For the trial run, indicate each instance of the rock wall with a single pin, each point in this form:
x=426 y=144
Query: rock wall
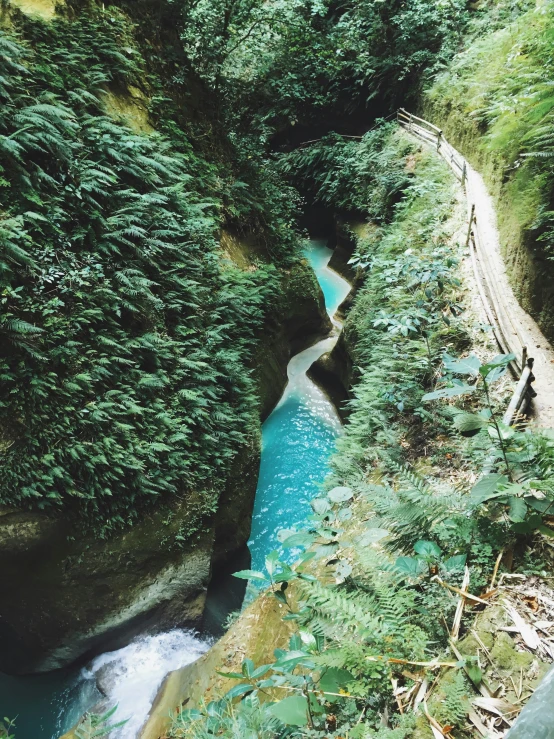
x=299 y=321
x=333 y=371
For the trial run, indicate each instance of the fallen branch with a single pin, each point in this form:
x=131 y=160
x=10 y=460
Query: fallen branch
x=454 y=589
x=420 y=694
x=438 y=730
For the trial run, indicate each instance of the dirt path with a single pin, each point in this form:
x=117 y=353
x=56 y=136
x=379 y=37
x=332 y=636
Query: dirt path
x=522 y=325
x=515 y=326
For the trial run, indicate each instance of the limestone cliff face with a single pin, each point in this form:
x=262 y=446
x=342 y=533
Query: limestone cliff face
x=299 y=321
x=333 y=371
x=64 y=598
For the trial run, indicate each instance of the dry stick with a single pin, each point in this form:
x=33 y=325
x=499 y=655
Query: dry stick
x=397 y=697
x=434 y=723
x=476 y=721
x=460 y=607
x=495 y=571
x=483 y=647
x=420 y=695
x=434 y=664
x=458 y=591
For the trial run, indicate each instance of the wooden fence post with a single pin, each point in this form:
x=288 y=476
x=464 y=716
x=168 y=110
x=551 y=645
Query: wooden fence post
x=523 y=358
x=471 y=219
x=464 y=173
x=439 y=136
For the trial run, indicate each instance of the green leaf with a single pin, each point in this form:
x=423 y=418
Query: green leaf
x=463 y=366
x=250 y=575
x=293 y=711
x=234 y=675
x=295 y=642
x=291 y=659
x=340 y=494
x=473 y=670
x=455 y=563
x=343 y=570
x=333 y=680
x=506 y=432
x=427 y=549
x=410 y=566
x=486 y=488
x=284 y=534
x=534 y=521
x=326 y=550
x=539 y=505
x=494 y=370
x=320 y=506
x=271 y=561
x=372 y=536
x=238 y=690
x=281 y=597
x=449 y=392
x=287 y=573
x=518 y=510
x=469 y=422
x=300 y=539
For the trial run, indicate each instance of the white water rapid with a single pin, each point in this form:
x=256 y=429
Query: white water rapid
x=130 y=677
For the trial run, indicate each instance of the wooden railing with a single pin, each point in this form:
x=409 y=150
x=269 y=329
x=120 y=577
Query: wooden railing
x=506 y=332
x=433 y=134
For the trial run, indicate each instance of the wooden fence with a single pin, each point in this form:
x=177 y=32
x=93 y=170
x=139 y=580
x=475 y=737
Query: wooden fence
x=505 y=330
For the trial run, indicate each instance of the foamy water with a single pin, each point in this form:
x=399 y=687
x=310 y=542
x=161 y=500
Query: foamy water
x=132 y=675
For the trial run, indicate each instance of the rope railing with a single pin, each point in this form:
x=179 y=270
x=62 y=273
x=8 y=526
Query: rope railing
x=507 y=334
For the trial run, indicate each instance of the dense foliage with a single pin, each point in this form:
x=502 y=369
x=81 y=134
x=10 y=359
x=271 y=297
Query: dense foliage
x=278 y=64
x=125 y=351
x=126 y=341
